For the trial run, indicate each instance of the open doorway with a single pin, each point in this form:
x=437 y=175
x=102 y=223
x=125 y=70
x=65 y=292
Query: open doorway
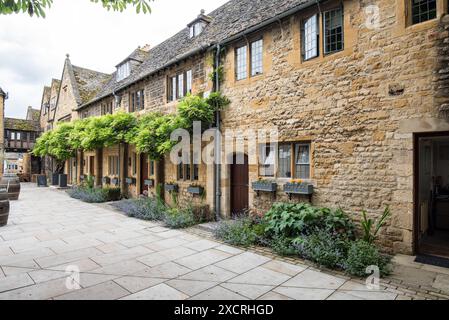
x=432 y=194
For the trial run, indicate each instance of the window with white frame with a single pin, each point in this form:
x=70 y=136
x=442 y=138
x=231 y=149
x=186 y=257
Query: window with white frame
x=310 y=38
x=333 y=30
x=241 y=63
x=179 y=86
x=123 y=71
x=423 y=10
x=196 y=29
x=257 y=57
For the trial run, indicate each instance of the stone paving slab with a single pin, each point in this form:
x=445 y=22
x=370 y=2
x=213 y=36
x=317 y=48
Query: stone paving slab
x=50 y=235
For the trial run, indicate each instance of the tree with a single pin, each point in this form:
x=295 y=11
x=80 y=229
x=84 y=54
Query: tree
x=38 y=7
x=56 y=144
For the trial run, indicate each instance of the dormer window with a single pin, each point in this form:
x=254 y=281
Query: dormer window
x=123 y=71
x=198 y=25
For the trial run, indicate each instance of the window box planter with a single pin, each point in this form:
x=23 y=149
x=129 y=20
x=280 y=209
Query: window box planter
x=171 y=187
x=106 y=180
x=264 y=186
x=195 y=190
x=130 y=181
x=298 y=188
x=149 y=183
x=114 y=181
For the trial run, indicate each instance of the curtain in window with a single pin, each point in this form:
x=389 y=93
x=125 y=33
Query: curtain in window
x=302 y=156
x=285 y=158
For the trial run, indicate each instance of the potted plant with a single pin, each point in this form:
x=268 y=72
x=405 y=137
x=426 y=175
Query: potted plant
x=171 y=187
x=264 y=186
x=195 y=189
x=130 y=181
x=106 y=180
x=42 y=180
x=62 y=180
x=149 y=183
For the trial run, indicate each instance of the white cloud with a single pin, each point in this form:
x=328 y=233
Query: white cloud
x=32 y=50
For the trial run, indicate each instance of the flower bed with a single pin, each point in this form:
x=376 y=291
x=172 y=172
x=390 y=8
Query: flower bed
x=95 y=195
x=324 y=236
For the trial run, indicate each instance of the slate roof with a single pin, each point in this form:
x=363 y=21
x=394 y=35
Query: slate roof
x=22 y=124
x=2 y=93
x=137 y=55
x=89 y=83
x=228 y=20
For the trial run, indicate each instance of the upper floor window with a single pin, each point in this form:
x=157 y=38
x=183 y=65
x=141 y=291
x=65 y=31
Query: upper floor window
x=423 y=10
x=137 y=101
x=241 y=63
x=333 y=30
x=257 y=57
x=310 y=38
x=123 y=71
x=196 y=29
x=179 y=86
x=53 y=103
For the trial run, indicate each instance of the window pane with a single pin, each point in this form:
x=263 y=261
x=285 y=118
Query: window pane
x=257 y=57
x=285 y=158
x=180 y=86
x=189 y=81
x=173 y=88
x=333 y=30
x=423 y=10
x=310 y=37
x=241 y=72
x=196 y=172
x=302 y=158
x=267 y=157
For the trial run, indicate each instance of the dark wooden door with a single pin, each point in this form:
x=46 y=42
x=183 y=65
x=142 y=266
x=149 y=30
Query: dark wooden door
x=239 y=186
x=92 y=166
x=144 y=170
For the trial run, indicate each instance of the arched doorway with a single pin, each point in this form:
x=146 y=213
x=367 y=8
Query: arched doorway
x=239 y=184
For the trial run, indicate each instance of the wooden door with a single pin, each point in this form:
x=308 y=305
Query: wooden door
x=144 y=172
x=239 y=186
x=92 y=166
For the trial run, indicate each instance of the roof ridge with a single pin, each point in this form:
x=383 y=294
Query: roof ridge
x=91 y=70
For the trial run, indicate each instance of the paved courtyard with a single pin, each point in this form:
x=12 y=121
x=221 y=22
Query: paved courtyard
x=49 y=235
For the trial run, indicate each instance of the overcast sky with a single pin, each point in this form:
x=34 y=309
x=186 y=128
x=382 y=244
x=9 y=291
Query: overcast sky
x=32 y=50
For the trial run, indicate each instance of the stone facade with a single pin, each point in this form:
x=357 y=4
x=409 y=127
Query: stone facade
x=349 y=107
x=359 y=108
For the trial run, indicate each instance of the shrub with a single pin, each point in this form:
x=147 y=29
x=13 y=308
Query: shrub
x=202 y=213
x=323 y=248
x=145 y=209
x=283 y=246
x=236 y=232
x=176 y=218
x=288 y=220
x=361 y=255
x=94 y=195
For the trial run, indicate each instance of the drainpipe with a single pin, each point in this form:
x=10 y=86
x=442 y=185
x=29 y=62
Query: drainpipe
x=217 y=142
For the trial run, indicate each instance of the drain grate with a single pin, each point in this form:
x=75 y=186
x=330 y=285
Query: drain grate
x=432 y=260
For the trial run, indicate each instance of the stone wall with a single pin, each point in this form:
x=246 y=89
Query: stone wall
x=359 y=108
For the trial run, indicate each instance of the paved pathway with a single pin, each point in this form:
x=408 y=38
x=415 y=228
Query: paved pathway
x=123 y=258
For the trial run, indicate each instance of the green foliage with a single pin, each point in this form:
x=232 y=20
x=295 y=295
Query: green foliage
x=288 y=220
x=323 y=248
x=372 y=227
x=55 y=143
x=283 y=246
x=153 y=132
x=217 y=101
x=89 y=182
x=236 y=232
x=95 y=195
x=361 y=255
x=177 y=218
x=195 y=108
x=37 y=7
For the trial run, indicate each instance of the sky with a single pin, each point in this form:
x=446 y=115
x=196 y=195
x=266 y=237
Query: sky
x=33 y=50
